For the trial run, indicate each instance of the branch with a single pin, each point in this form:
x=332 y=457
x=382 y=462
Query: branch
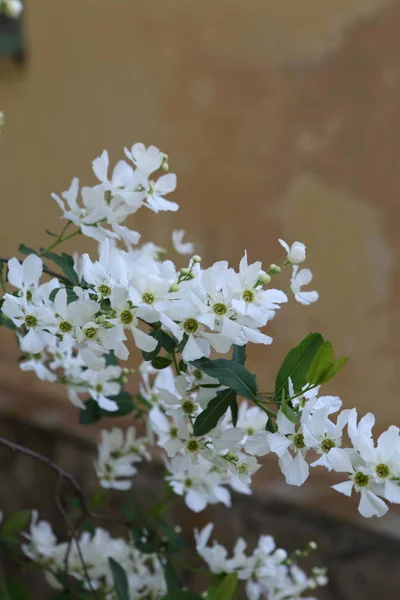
x=63 y=475
x=74 y=537
x=45 y=270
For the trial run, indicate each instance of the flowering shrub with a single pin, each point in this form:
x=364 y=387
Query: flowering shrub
x=77 y=328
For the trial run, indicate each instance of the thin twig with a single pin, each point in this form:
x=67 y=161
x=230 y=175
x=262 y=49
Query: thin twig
x=74 y=536
x=64 y=475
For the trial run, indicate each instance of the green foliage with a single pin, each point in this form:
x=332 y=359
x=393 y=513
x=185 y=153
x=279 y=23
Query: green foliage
x=71 y=296
x=66 y=264
x=296 y=365
x=171 y=578
x=182 y=595
x=4 y=320
x=231 y=374
x=287 y=409
x=324 y=366
x=239 y=354
x=161 y=362
x=228 y=588
x=111 y=359
x=23 y=249
x=163 y=341
x=12 y=589
x=15 y=523
x=121 y=587
x=93 y=413
x=216 y=408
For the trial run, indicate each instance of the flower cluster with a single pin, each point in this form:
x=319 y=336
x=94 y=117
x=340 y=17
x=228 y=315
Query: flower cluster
x=118 y=453
x=207 y=414
x=98 y=211
x=268 y=572
x=373 y=469
x=144 y=572
x=201 y=468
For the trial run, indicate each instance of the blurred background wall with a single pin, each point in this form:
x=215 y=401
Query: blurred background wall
x=281 y=119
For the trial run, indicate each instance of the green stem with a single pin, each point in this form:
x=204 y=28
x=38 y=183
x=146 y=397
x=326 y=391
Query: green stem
x=177 y=369
x=61 y=239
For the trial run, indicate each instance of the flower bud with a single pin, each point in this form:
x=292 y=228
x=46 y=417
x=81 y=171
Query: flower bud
x=297 y=253
x=196 y=258
x=174 y=287
x=273 y=269
x=264 y=278
x=185 y=271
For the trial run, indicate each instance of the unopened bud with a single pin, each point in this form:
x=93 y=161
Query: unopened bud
x=264 y=278
x=174 y=287
x=273 y=269
x=108 y=325
x=312 y=545
x=164 y=164
x=185 y=271
x=196 y=258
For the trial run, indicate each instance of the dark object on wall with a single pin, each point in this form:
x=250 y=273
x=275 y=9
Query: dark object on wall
x=11 y=39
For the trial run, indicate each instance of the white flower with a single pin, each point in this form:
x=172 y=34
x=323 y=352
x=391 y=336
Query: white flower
x=102 y=384
x=296 y=254
x=13 y=8
x=298 y=280
x=41 y=539
x=286 y=442
x=149 y=161
x=25 y=276
x=199 y=483
x=321 y=435
x=361 y=479
x=179 y=245
x=117 y=453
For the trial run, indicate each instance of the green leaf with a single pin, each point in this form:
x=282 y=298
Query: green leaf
x=16 y=523
x=296 y=365
x=182 y=366
x=125 y=405
x=120 y=580
x=333 y=369
x=171 y=578
x=228 y=588
x=216 y=408
x=66 y=263
x=231 y=374
x=111 y=359
x=23 y=249
x=90 y=414
x=157 y=334
x=322 y=360
x=234 y=410
x=71 y=296
x=93 y=413
x=161 y=362
x=4 y=320
x=287 y=409
x=182 y=595
x=11 y=589
x=239 y=354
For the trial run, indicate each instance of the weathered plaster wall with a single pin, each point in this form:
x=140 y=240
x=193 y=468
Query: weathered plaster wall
x=281 y=118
